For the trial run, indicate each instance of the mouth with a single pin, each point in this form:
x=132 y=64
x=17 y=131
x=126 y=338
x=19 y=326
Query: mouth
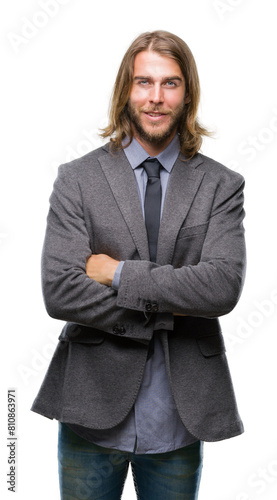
x=155 y=115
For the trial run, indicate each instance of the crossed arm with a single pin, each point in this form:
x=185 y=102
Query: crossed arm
x=101 y=268
x=77 y=285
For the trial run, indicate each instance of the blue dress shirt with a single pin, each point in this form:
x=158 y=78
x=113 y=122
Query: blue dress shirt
x=153 y=425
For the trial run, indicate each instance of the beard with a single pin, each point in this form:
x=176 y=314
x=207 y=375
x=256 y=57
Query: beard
x=153 y=135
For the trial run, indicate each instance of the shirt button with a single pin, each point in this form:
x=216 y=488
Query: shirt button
x=148 y=307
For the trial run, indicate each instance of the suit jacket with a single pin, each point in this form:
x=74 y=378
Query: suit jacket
x=97 y=368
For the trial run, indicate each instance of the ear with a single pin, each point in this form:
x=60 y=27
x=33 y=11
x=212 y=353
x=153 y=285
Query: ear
x=187 y=99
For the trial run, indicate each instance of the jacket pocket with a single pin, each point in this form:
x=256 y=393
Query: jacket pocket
x=73 y=332
x=190 y=231
x=211 y=345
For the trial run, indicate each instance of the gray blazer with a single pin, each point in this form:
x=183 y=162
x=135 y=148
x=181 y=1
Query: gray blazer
x=97 y=368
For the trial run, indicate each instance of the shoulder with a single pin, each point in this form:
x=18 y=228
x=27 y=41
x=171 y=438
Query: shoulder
x=81 y=171
x=215 y=176
x=85 y=162
x=217 y=170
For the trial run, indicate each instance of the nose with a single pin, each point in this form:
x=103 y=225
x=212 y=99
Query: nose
x=156 y=94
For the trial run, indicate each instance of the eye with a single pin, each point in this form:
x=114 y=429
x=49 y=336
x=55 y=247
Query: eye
x=170 y=83
x=143 y=82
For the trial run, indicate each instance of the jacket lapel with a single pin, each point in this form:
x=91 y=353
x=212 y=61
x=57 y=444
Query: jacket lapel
x=183 y=185
x=121 y=179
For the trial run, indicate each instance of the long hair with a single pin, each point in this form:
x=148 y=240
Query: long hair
x=166 y=44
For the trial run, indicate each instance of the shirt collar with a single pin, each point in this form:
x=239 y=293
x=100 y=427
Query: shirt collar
x=136 y=154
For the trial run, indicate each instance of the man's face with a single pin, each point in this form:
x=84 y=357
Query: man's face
x=157 y=100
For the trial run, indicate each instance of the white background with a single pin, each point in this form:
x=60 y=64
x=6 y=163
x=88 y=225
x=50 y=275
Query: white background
x=57 y=73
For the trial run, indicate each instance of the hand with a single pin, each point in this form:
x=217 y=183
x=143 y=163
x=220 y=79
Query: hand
x=101 y=268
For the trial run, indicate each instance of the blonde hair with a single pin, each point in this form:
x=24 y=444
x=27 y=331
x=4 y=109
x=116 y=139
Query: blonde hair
x=167 y=44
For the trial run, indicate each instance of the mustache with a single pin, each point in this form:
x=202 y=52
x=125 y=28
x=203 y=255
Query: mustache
x=156 y=109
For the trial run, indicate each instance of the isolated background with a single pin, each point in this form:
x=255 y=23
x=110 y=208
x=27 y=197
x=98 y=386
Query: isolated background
x=57 y=70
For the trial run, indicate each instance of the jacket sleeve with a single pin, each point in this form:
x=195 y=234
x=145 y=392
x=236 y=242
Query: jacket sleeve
x=210 y=288
x=69 y=294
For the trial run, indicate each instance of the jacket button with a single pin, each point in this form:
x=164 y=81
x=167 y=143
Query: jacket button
x=155 y=307
x=148 y=307
x=119 y=330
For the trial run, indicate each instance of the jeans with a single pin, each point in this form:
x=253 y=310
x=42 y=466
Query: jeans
x=91 y=472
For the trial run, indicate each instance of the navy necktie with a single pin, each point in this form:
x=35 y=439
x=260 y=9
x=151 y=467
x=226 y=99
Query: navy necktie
x=152 y=204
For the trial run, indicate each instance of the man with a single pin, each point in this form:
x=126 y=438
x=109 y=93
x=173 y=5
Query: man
x=144 y=249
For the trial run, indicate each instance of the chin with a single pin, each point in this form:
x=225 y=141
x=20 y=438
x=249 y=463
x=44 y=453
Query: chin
x=158 y=137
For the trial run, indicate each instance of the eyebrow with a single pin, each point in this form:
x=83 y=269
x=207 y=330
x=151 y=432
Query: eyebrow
x=165 y=79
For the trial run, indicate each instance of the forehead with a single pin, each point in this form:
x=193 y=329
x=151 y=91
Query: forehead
x=150 y=63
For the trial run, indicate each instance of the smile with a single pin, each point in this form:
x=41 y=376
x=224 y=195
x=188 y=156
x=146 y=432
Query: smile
x=155 y=115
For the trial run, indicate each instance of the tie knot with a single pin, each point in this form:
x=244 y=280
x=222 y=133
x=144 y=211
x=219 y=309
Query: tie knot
x=152 y=167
